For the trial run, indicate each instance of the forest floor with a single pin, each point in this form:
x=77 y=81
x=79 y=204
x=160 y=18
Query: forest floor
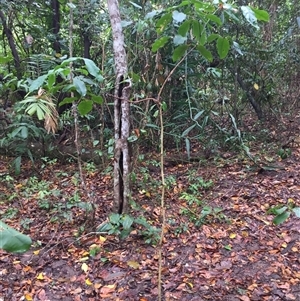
x=219 y=244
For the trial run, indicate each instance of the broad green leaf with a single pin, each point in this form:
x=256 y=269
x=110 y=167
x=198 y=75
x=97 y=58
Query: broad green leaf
x=163 y=22
x=261 y=15
x=93 y=69
x=296 y=210
x=179 y=40
x=5 y=59
x=179 y=52
x=80 y=86
x=203 y=38
x=40 y=113
x=249 y=15
x=127 y=222
x=97 y=99
x=196 y=29
x=114 y=218
x=37 y=83
x=105 y=227
x=85 y=106
x=12 y=240
x=222 y=47
x=205 y=52
x=178 y=17
x=212 y=37
x=280 y=210
x=281 y=217
x=184 y=28
x=151 y=14
x=51 y=80
x=65 y=63
x=30 y=110
x=215 y=19
x=67 y=100
x=159 y=43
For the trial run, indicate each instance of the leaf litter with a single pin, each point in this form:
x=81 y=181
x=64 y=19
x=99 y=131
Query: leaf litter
x=233 y=253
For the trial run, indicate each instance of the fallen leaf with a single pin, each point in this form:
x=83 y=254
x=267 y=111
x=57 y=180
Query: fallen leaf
x=84 y=267
x=40 y=276
x=88 y=282
x=133 y=264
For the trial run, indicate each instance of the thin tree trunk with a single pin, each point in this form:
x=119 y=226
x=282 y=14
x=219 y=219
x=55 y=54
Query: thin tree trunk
x=121 y=112
x=12 y=45
x=56 y=24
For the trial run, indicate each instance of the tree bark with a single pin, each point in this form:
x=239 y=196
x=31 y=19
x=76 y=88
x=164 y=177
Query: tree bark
x=12 y=45
x=56 y=24
x=121 y=112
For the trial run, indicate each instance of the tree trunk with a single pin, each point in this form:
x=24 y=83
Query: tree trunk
x=121 y=112
x=56 y=24
x=12 y=45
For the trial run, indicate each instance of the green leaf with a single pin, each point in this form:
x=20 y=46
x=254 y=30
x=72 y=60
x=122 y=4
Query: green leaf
x=163 y=22
x=85 y=106
x=80 y=86
x=184 y=28
x=215 y=19
x=261 y=15
x=105 y=227
x=206 y=211
x=17 y=164
x=205 y=52
x=135 y=5
x=5 y=59
x=278 y=211
x=37 y=83
x=249 y=15
x=97 y=99
x=203 y=38
x=296 y=210
x=51 y=80
x=281 y=218
x=159 y=43
x=179 y=52
x=178 y=17
x=12 y=240
x=93 y=69
x=186 y=131
x=179 y=40
x=40 y=113
x=67 y=100
x=114 y=218
x=127 y=222
x=212 y=37
x=197 y=29
x=222 y=47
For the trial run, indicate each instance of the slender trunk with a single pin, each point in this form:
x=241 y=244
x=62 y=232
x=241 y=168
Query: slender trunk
x=121 y=112
x=12 y=45
x=86 y=45
x=56 y=24
x=256 y=106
